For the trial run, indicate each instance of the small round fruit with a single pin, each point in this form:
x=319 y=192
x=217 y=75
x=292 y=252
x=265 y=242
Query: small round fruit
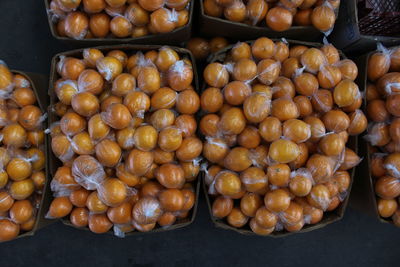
x=283 y=151
x=323 y=18
x=277 y=200
x=236 y=218
x=387 y=207
x=279 y=19
x=60 y=207
x=222 y=207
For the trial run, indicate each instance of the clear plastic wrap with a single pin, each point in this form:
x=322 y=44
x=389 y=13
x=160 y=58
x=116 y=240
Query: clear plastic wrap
x=65 y=90
x=117 y=116
x=147 y=210
x=180 y=75
x=113 y=192
x=254 y=179
x=321 y=167
x=227 y=183
x=56 y=11
x=215 y=149
x=257 y=11
x=62 y=148
x=323 y=17
x=319 y=197
x=76 y=25
x=296 y=130
x=301 y=182
x=91 y=81
x=164 y=20
x=392 y=165
x=216 y=75
x=257 y=107
x=6 y=79
x=109 y=67
x=378 y=63
x=268 y=71
x=88 y=172
x=292 y=216
x=120 y=230
x=378 y=134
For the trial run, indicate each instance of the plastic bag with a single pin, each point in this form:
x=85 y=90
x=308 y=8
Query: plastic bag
x=117 y=116
x=254 y=179
x=268 y=71
x=330 y=51
x=323 y=18
x=56 y=11
x=120 y=230
x=147 y=210
x=215 y=149
x=217 y=74
x=378 y=134
x=321 y=167
x=358 y=123
x=7 y=84
x=62 y=148
x=257 y=10
x=319 y=197
x=392 y=165
x=259 y=156
x=180 y=75
x=257 y=107
x=113 y=192
x=227 y=183
x=88 y=172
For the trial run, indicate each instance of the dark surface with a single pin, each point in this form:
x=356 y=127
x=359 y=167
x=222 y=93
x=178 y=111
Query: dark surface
x=357 y=240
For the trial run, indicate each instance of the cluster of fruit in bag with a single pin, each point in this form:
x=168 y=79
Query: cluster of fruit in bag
x=278 y=15
x=117 y=18
x=22 y=158
x=383 y=110
x=127 y=140
x=276 y=120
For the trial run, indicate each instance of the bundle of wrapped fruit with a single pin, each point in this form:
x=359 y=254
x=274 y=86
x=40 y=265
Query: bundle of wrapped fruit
x=383 y=110
x=276 y=120
x=22 y=157
x=126 y=137
x=278 y=15
x=86 y=19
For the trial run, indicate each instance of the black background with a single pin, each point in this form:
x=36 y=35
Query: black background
x=357 y=240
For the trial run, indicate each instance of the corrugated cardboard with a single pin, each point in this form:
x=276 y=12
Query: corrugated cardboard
x=175 y=37
x=39 y=86
x=329 y=217
x=212 y=26
x=54 y=163
x=363 y=197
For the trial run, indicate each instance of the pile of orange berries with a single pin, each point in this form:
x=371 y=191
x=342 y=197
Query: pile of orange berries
x=278 y=15
x=383 y=111
x=22 y=158
x=127 y=140
x=276 y=120
x=85 y=19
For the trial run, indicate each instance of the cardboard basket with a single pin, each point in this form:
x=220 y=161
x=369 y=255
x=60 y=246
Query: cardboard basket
x=363 y=197
x=39 y=86
x=329 y=217
x=213 y=26
x=348 y=36
x=54 y=162
x=175 y=37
